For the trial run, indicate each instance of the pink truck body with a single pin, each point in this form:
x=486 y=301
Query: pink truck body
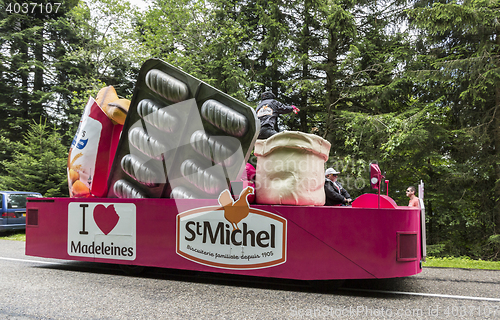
x=372 y=239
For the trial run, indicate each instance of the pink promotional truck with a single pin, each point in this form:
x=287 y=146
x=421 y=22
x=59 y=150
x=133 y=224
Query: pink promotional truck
x=176 y=198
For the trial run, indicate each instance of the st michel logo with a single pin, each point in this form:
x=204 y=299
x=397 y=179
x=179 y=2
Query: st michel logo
x=102 y=230
x=232 y=236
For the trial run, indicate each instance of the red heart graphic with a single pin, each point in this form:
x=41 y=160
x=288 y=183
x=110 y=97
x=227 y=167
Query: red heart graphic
x=105 y=218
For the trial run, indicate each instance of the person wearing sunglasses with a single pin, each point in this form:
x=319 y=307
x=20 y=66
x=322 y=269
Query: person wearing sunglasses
x=335 y=194
x=410 y=192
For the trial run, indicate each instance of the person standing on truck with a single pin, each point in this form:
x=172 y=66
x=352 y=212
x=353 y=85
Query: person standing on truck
x=268 y=111
x=410 y=192
x=335 y=194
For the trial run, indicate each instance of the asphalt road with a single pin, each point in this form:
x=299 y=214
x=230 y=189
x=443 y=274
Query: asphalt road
x=36 y=288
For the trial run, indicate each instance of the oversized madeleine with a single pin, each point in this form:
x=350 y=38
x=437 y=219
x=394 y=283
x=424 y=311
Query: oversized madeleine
x=80 y=190
x=117 y=110
x=73 y=176
x=105 y=96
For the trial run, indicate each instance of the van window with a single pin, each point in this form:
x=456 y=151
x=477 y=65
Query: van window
x=18 y=200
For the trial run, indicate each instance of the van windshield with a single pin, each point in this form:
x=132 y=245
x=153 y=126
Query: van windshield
x=18 y=200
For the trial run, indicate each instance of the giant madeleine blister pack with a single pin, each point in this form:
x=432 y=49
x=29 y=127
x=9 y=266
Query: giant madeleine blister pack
x=181 y=139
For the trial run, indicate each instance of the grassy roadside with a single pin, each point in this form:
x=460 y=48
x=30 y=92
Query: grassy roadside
x=461 y=262
x=447 y=262
x=17 y=236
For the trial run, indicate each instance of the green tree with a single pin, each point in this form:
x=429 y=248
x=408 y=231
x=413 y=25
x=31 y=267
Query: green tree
x=38 y=163
x=207 y=41
x=27 y=51
x=459 y=79
x=52 y=61
x=97 y=48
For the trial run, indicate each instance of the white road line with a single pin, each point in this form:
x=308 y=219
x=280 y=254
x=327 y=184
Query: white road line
x=345 y=289
x=31 y=261
x=426 y=294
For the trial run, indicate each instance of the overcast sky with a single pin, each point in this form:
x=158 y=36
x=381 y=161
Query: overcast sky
x=139 y=3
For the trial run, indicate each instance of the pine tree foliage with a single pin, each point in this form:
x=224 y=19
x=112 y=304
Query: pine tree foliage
x=51 y=63
x=27 y=48
x=38 y=164
x=461 y=73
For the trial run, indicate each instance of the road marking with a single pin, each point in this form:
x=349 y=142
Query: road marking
x=426 y=294
x=345 y=289
x=26 y=260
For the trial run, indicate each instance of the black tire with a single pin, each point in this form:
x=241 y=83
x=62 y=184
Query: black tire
x=326 y=285
x=132 y=270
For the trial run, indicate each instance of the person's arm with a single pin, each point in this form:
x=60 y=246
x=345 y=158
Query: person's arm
x=345 y=194
x=282 y=108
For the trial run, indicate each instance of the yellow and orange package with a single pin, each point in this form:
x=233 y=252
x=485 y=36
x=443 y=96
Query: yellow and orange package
x=94 y=145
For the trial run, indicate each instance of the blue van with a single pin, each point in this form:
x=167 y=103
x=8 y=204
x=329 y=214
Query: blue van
x=13 y=209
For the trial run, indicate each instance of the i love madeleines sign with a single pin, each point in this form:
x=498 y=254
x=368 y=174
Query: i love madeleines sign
x=102 y=230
